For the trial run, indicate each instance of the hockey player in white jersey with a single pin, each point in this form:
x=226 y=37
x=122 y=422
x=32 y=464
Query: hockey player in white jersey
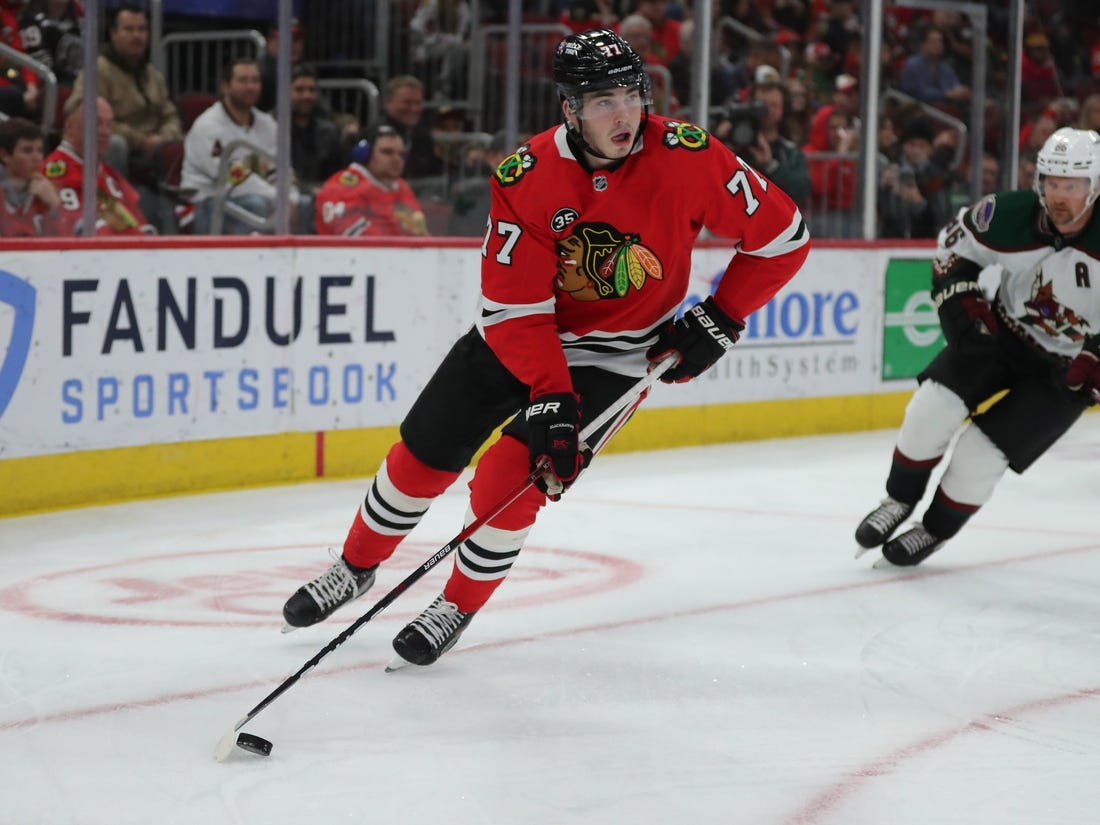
x=1038 y=338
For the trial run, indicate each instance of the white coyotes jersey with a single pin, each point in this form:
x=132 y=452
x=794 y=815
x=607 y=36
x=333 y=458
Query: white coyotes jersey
x=1050 y=285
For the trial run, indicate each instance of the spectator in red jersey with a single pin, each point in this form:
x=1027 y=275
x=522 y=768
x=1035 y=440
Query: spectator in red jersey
x=1038 y=74
x=369 y=197
x=18 y=84
x=117 y=211
x=666 y=31
x=830 y=159
x=29 y=205
x=845 y=99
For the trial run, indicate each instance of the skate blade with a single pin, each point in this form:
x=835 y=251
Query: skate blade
x=397 y=663
x=883 y=563
x=288 y=628
x=861 y=550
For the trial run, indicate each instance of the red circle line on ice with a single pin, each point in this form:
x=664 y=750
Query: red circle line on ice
x=246 y=586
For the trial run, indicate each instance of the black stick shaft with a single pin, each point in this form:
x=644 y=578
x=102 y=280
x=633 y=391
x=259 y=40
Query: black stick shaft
x=622 y=407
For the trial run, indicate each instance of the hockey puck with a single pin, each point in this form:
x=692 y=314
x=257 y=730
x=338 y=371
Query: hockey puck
x=254 y=744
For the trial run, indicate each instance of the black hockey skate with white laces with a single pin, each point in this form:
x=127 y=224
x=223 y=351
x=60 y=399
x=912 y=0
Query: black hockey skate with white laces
x=319 y=599
x=911 y=547
x=880 y=523
x=429 y=635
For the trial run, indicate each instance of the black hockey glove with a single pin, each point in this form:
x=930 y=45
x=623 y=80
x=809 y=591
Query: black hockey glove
x=1083 y=373
x=553 y=433
x=699 y=338
x=965 y=315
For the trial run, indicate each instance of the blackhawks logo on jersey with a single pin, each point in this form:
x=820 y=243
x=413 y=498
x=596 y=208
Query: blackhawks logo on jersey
x=688 y=136
x=512 y=169
x=56 y=169
x=1046 y=312
x=597 y=261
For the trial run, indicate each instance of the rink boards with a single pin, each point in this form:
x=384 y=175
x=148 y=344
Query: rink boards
x=184 y=365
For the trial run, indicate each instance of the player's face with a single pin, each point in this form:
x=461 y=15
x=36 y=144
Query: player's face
x=609 y=120
x=1065 y=199
x=25 y=159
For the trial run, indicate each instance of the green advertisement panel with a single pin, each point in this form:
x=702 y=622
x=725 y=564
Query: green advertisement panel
x=911 y=331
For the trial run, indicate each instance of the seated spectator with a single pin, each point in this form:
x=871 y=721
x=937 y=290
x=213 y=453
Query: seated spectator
x=723 y=75
x=51 y=35
x=19 y=92
x=585 y=15
x=145 y=119
x=29 y=205
x=928 y=77
x=845 y=99
x=1025 y=169
x=666 y=31
x=799 y=112
x=831 y=162
x=779 y=158
x=1038 y=73
x=449 y=134
x=233 y=118
x=1090 y=113
x=369 y=197
x=403 y=110
x=269 y=62
x=316 y=152
x=471 y=196
x=913 y=193
x=991 y=173
x=117 y=210
x=440 y=35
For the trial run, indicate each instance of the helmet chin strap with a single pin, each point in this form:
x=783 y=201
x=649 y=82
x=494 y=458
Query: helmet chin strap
x=576 y=137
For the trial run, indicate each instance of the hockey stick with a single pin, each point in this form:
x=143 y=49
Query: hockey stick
x=621 y=408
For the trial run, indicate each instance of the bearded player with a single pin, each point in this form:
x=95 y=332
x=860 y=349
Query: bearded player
x=1038 y=338
x=586 y=258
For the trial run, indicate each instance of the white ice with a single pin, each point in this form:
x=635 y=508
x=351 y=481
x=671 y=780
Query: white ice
x=686 y=639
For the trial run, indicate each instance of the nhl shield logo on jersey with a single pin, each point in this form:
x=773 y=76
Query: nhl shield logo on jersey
x=512 y=169
x=682 y=135
x=597 y=261
x=982 y=213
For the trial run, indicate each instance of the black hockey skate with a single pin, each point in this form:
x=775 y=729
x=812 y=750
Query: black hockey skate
x=430 y=635
x=317 y=600
x=880 y=523
x=911 y=547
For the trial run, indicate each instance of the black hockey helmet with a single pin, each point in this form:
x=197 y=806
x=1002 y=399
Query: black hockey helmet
x=596 y=60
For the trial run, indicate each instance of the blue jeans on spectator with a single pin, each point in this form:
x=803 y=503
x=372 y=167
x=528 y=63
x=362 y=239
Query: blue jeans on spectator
x=258 y=205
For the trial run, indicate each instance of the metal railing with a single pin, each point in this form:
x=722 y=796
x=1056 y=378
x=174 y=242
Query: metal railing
x=355 y=96
x=48 y=86
x=194 y=61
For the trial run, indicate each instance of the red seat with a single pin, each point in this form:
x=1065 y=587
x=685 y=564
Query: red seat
x=193 y=104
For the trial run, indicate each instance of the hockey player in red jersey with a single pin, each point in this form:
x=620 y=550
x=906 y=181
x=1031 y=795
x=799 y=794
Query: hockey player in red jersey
x=1039 y=338
x=117 y=211
x=586 y=258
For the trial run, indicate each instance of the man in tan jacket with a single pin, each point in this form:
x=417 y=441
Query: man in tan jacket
x=145 y=118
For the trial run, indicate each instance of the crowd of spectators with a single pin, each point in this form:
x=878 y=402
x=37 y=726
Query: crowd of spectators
x=784 y=92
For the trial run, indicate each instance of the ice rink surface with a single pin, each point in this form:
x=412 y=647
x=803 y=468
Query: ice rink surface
x=686 y=639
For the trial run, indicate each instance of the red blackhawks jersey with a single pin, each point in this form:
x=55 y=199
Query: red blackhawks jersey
x=354 y=202
x=117 y=211
x=581 y=268
x=25 y=218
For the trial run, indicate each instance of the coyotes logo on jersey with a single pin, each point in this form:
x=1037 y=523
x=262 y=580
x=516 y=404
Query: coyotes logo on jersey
x=1046 y=312
x=597 y=261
